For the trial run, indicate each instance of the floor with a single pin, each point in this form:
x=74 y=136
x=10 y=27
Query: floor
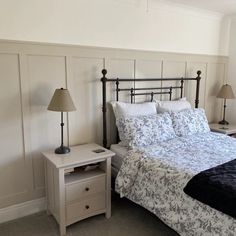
x=127 y=219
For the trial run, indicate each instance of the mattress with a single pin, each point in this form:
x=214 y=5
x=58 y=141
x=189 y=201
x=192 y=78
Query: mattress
x=116 y=162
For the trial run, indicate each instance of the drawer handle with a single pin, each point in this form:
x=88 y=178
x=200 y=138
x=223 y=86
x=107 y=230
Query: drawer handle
x=87 y=189
x=87 y=206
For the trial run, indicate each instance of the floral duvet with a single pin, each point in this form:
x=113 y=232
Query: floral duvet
x=154 y=177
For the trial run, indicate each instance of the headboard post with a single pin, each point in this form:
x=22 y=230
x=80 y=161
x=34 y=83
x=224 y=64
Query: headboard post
x=170 y=93
x=117 y=89
x=131 y=95
x=152 y=95
x=104 y=106
x=197 y=88
x=181 y=87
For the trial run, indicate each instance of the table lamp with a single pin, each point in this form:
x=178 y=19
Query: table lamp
x=61 y=102
x=225 y=92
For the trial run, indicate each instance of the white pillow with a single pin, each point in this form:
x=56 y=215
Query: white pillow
x=122 y=109
x=145 y=130
x=189 y=122
x=178 y=105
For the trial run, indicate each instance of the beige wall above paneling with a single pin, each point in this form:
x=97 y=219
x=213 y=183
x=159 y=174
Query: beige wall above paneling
x=134 y=24
x=30 y=73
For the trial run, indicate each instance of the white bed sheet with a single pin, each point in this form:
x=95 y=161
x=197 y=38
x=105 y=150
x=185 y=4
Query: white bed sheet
x=117 y=160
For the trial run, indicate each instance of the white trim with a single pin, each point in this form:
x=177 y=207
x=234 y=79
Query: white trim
x=170 y=6
x=23 y=209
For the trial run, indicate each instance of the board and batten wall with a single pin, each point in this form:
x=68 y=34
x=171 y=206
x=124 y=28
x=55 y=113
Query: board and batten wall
x=231 y=103
x=29 y=74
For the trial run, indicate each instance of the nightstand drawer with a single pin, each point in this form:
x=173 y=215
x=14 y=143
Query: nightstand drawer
x=85 y=207
x=79 y=190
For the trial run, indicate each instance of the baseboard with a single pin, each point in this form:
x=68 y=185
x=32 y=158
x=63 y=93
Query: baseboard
x=22 y=209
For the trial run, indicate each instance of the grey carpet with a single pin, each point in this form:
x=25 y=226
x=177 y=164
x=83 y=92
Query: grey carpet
x=127 y=219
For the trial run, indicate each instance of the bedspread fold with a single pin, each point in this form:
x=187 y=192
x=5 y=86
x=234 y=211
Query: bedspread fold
x=216 y=187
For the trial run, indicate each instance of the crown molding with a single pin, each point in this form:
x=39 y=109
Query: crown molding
x=169 y=6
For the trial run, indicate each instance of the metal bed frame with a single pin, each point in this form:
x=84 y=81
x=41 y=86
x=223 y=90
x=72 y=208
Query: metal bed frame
x=139 y=92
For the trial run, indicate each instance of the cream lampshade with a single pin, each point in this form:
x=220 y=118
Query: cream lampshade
x=225 y=92
x=61 y=102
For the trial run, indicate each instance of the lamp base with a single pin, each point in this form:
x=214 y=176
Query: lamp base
x=62 y=150
x=223 y=122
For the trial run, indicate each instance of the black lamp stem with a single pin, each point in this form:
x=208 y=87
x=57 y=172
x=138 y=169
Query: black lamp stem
x=224 y=122
x=224 y=109
x=62 y=133
x=62 y=149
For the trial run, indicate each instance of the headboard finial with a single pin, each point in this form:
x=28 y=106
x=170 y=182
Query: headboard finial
x=198 y=88
x=104 y=72
x=199 y=73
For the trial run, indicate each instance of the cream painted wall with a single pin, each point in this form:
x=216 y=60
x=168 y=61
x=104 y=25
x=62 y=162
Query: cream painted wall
x=231 y=104
x=130 y=24
x=29 y=74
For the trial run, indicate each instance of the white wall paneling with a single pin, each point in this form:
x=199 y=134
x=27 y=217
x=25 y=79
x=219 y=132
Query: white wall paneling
x=148 y=69
x=216 y=78
x=173 y=69
x=85 y=86
x=30 y=72
x=231 y=103
x=13 y=178
x=125 y=67
x=190 y=86
x=45 y=74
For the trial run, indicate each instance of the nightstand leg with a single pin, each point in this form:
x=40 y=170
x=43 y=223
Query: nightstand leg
x=61 y=188
x=108 y=195
x=46 y=187
x=62 y=230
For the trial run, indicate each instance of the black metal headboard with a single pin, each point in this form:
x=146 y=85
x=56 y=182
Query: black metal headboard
x=138 y=92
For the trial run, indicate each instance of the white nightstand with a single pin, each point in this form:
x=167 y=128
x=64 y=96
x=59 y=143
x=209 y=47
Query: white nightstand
x=75 y=196
x=224 y=129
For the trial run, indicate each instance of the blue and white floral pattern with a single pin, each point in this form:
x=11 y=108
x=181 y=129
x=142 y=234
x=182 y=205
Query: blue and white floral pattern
x=145 y=130
x=154 y=177
x=189 y=122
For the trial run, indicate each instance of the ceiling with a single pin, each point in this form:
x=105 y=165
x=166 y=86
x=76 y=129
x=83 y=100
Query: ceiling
x=226 y=7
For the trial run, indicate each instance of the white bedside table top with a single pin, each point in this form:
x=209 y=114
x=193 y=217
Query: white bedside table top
x=224 y=129
x=81 y=154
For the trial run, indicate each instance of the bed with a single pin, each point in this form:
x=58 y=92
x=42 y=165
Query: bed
x=154 y=176
x=121 y=153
